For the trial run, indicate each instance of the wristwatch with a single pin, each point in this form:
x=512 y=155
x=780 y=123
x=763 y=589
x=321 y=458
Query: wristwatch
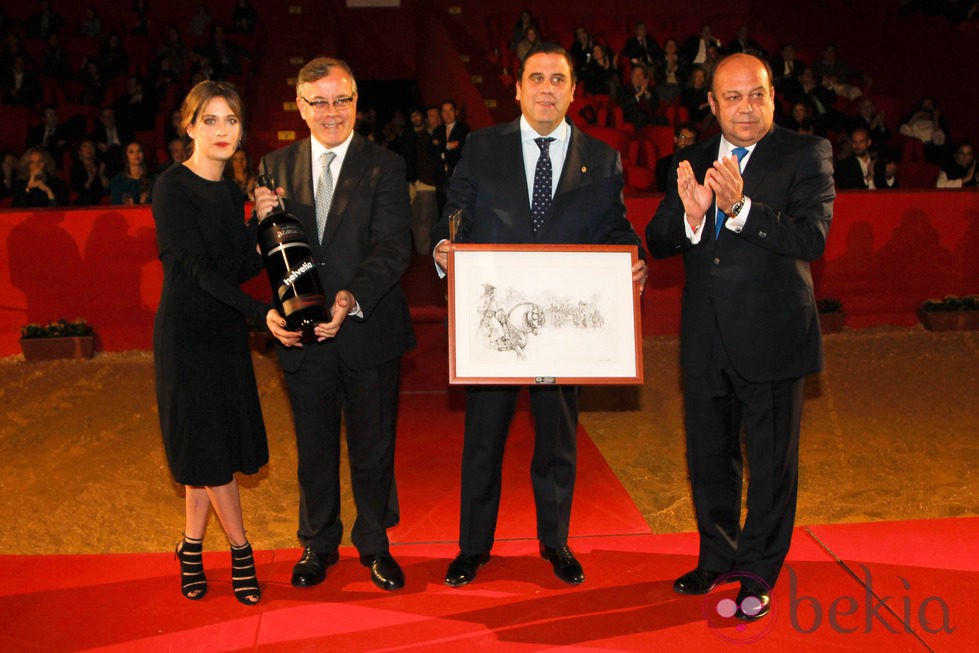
x=736 y=208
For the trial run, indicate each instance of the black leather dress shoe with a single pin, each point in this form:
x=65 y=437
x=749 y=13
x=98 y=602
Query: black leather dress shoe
x=385 y=571
x=753 y=604
x=311 y=568
x=566 y=566
x=698 y=581
x=462 y=570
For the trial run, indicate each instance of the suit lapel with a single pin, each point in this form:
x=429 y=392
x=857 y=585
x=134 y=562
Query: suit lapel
x=763 y=159
x=575 y=174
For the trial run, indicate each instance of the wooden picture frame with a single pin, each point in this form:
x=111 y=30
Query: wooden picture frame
x=544 y=314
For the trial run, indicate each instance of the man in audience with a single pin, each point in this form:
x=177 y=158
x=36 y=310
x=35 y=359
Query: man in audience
x=862 y=170
x=449 y=139
x=641 y=49
x=640 y=104
x=50 y=134
x=423 y=171
x=745 y=44
x=684 y=135
x=786 y=71
x=109 y=139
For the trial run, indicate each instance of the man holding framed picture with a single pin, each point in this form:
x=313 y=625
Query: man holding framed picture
x=538 y=180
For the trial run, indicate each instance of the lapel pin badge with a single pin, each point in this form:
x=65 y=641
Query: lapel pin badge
x=584 y=169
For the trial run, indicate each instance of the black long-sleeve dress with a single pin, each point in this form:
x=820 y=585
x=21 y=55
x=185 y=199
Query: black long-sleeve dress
x=210 y=414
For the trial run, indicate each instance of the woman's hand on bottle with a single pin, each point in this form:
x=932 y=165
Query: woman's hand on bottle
x=266 y=201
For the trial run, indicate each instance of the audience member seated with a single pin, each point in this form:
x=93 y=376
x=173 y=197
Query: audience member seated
x=744 y=43
x=527 y=43
x=14 y=47
x=174 y=127
x=8 y=173
x=43 y=22
x=141 y=18
x=244 y=18
x=639 y=103
x=600 y=76
x=684 y=135
x=694 y=97
x=580 y=49
x=830 y=64
x=641 y=49
x=91 y=25
x=109 y=138
x=225 y=54
x=174 y=48
x=136 y=108
x=520 y=28
x=892 y=157
x=89 y=180
x=92 y=81
x=861 y=170
x=177 y=153
x=960 y=172
x=710 y=61
x=200 y=22
x=694 y=49
x=50 y=134
x=55 y=63
x=821 y=99
x=927 y=125
x=113 y=60
x=800 y=119
x=786 y=71
x=132 y=184
x=670 y=73
x=240 y=172
x=19 y=83
x=868 y=116
x=38 y=183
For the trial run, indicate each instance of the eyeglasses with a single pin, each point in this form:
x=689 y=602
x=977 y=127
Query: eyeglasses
x=339 y=104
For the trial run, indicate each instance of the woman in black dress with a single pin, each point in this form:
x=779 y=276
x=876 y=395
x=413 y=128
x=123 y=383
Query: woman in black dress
x=208 y=401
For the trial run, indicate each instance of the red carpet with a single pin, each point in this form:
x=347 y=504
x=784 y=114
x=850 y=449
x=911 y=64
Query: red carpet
x=130 y=602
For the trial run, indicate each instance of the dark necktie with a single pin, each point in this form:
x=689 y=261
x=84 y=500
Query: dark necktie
x=541 y=200
x=721 y=216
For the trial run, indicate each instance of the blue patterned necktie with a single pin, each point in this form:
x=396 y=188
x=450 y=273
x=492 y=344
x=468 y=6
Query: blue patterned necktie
x=324 y=193
x=541 y=201
x=721 y=217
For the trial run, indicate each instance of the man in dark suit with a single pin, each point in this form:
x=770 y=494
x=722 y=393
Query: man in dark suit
x=448 y=140
x=50 y=134
x=863 y=170
x=505 y=197
x=641 y=49
x=359 y=230
x=750 y=332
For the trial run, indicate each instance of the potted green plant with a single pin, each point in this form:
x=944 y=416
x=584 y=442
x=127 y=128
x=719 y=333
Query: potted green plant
x=831 y=315
x=59 y=339
x=950 y=313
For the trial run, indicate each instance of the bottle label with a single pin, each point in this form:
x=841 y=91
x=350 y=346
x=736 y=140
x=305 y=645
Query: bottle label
x=288 y=283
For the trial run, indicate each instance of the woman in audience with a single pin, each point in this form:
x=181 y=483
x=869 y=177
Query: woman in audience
x=38 y=183
x=240 y=172
x=132 y=185
x=88 y=179
x=600 y=76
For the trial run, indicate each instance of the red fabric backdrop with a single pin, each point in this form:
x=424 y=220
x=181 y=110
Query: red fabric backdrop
x=887 y=251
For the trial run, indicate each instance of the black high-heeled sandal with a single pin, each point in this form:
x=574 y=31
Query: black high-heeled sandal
x=243 y=578
x=193 y=583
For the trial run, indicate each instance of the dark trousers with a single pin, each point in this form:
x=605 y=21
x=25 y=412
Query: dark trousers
x=318 y=390
x=489 y=411
x=718 y=405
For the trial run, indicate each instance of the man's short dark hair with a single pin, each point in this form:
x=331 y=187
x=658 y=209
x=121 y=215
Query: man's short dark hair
x=451 y=103
x=860 y=128
x=547 y=48
x=687 y=126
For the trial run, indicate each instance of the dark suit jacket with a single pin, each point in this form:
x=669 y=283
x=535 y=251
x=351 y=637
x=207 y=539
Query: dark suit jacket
x=756 y=284
x=490 y=186
x=849 y=174
x=450 y=158
x=634 y=50
x=366 y=246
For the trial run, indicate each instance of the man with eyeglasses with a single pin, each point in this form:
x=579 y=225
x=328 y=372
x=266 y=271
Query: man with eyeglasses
x=352 y=200
x=537 y=179
x=684 y=135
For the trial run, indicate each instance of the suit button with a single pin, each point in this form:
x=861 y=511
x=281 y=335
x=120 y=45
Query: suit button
x=717 y=261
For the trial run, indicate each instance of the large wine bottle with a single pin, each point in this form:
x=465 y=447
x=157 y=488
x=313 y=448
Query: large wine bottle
x=296 y=287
